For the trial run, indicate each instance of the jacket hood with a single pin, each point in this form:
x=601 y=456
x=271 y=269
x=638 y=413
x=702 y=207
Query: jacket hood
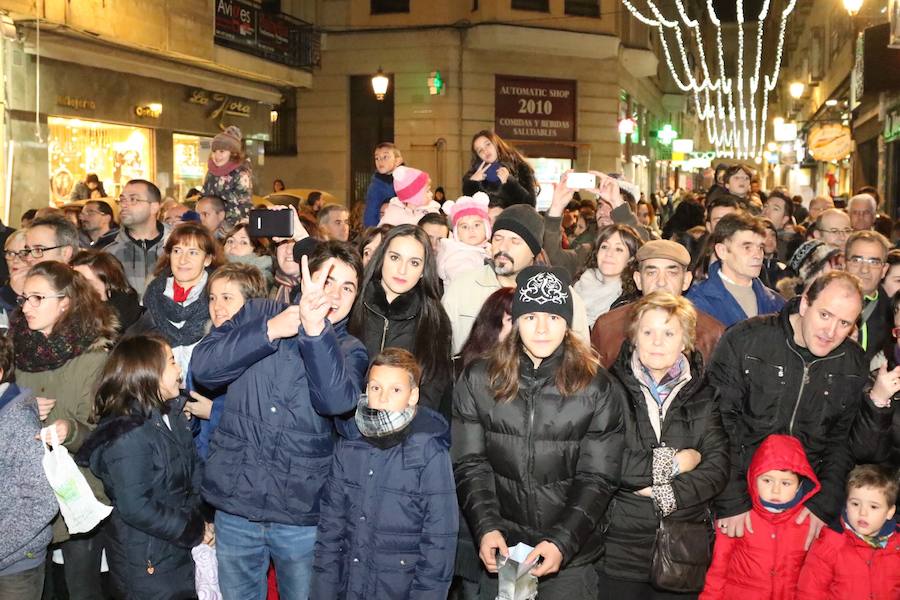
x=781 y=453
x=429 y=424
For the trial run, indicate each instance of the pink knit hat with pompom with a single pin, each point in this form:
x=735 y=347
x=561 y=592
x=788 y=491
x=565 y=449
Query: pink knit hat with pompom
x=466 y=206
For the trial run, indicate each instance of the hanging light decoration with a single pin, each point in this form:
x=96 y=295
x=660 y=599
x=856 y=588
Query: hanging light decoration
x=734 y=109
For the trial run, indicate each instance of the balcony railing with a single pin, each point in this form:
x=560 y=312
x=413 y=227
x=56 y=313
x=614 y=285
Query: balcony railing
x=246 y=27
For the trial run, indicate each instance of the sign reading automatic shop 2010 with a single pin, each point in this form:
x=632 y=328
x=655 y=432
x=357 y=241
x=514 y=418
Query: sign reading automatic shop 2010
x=527 y=108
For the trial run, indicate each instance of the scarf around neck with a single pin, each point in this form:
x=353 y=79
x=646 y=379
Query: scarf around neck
x=286 y=284
x=182 y=324
x=36 y=353
x=661 y=390
x=225 y=169
x=877 y=541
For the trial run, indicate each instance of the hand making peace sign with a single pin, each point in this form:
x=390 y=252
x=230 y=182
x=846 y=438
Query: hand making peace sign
x=315 y=302
x=480 y=172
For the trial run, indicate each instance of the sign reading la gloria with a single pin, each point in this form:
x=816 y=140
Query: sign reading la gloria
x=528 y=108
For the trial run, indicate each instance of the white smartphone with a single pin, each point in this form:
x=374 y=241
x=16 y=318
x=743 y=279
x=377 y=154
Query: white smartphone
x=581 y=181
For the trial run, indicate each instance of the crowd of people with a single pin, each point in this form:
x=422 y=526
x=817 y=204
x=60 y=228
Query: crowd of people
x=691 y=395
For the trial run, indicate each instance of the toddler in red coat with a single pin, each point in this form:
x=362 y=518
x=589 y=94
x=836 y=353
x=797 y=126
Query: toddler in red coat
x=765 y=563
x=863 y=561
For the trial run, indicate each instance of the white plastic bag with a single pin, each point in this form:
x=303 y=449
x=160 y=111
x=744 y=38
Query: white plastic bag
x=206 y=572
x=80 y=509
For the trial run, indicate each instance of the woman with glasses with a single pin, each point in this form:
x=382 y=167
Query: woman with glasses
x=60 y=337
x=176 y=301
x=14 y=254
x=241 y=248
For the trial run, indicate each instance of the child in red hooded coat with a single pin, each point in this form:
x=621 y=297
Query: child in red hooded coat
x=765 y=563
x=863 y=561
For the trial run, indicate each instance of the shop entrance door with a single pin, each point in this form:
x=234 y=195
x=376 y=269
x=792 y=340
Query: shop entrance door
x=371 y=122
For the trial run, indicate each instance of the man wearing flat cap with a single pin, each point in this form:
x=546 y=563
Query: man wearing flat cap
x=662 y=265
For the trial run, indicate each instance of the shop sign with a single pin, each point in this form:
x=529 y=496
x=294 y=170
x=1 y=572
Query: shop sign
x=75 y=102
x=224 y=105
x=829 y=142
x=244 y=26
x=527 y=108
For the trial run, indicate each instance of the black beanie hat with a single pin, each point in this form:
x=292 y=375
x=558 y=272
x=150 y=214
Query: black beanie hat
x=543 y=289
x=525 y=222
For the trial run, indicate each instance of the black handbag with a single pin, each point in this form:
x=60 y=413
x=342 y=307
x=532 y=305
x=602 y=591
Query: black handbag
x=681 y=555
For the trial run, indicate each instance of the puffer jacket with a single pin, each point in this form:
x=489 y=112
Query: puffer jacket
x=765 y=564
x=712 y=297
x=367 y=546
x=542 y=466
x=235 y=188
x=518 y=189
x=766 y=387
x=380 y=190
x=152 y=476
x=841 y=566
x=875 y=437
x=270 y=454
x=690 y=419
x=394 y=325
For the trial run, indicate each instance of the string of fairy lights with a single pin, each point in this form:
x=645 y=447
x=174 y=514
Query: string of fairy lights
x=733 y=109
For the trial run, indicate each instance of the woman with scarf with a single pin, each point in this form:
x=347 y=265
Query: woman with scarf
x=537 y=442
x=60 y=337
x=176 y=301
x=105 y=273
x=606 y=281
x=676 y=451
x=399 y=306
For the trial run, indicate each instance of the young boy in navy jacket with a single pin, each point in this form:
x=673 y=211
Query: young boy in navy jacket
x=381 y=188
x=862 y=561
x=389 y=516
x=765 y=563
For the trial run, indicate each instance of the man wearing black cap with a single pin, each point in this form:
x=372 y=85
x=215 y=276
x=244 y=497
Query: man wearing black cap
x=515 y=243
x=662 y=266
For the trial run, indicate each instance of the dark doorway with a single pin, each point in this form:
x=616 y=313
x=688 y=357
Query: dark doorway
x=371 y=122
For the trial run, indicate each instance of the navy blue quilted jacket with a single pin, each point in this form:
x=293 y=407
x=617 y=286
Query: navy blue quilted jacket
x=389 y=518
x=271 y=452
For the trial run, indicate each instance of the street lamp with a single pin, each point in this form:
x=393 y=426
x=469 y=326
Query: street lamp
x=796 y=89
x=380 y=84
x=853 y=6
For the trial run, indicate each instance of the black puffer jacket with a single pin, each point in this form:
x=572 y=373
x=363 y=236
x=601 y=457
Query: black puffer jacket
x=875 y=437
x=691 y=421
x=152 y=476
x=543 y=466
x=766 y=387
x=395 y=325
x=518 y=189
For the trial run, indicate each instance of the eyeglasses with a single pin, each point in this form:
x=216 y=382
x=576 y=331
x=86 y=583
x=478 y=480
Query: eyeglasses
x=35 y=299
x=129 y=200
x=38 y=251
x=865 y=260
x=833 y=230
x=20 y=254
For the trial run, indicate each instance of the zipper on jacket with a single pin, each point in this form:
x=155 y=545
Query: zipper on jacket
x=528 y=496
x=384 y=332
x=804 y=381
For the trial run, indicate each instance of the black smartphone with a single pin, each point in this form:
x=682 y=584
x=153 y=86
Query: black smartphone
x=271 y=223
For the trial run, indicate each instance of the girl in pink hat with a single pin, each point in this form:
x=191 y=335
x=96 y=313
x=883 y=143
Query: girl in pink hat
x=469 y=244
x=414 y=198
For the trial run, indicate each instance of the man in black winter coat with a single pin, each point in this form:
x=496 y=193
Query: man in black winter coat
x=796 y=373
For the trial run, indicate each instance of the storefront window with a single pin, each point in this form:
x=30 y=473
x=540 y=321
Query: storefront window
x=547 y=172
x=116 y=153
x=191 y=153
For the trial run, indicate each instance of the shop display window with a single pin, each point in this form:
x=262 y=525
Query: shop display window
x=190 y=155
x=116 y=153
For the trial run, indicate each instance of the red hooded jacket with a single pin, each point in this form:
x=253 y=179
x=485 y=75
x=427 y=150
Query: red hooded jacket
x=841 y=566
x=765 y=564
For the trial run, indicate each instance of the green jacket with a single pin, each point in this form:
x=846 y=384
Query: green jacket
x=72 y=386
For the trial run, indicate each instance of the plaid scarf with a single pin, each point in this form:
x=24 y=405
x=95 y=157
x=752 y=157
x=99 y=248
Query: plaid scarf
x=36 y=353
x=878 y=541
x=660 y=391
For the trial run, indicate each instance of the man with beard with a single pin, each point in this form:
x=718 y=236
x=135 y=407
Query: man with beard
x=515 y=243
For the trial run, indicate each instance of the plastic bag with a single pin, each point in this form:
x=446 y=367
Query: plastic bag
x=206 y=572
x=80 y=509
